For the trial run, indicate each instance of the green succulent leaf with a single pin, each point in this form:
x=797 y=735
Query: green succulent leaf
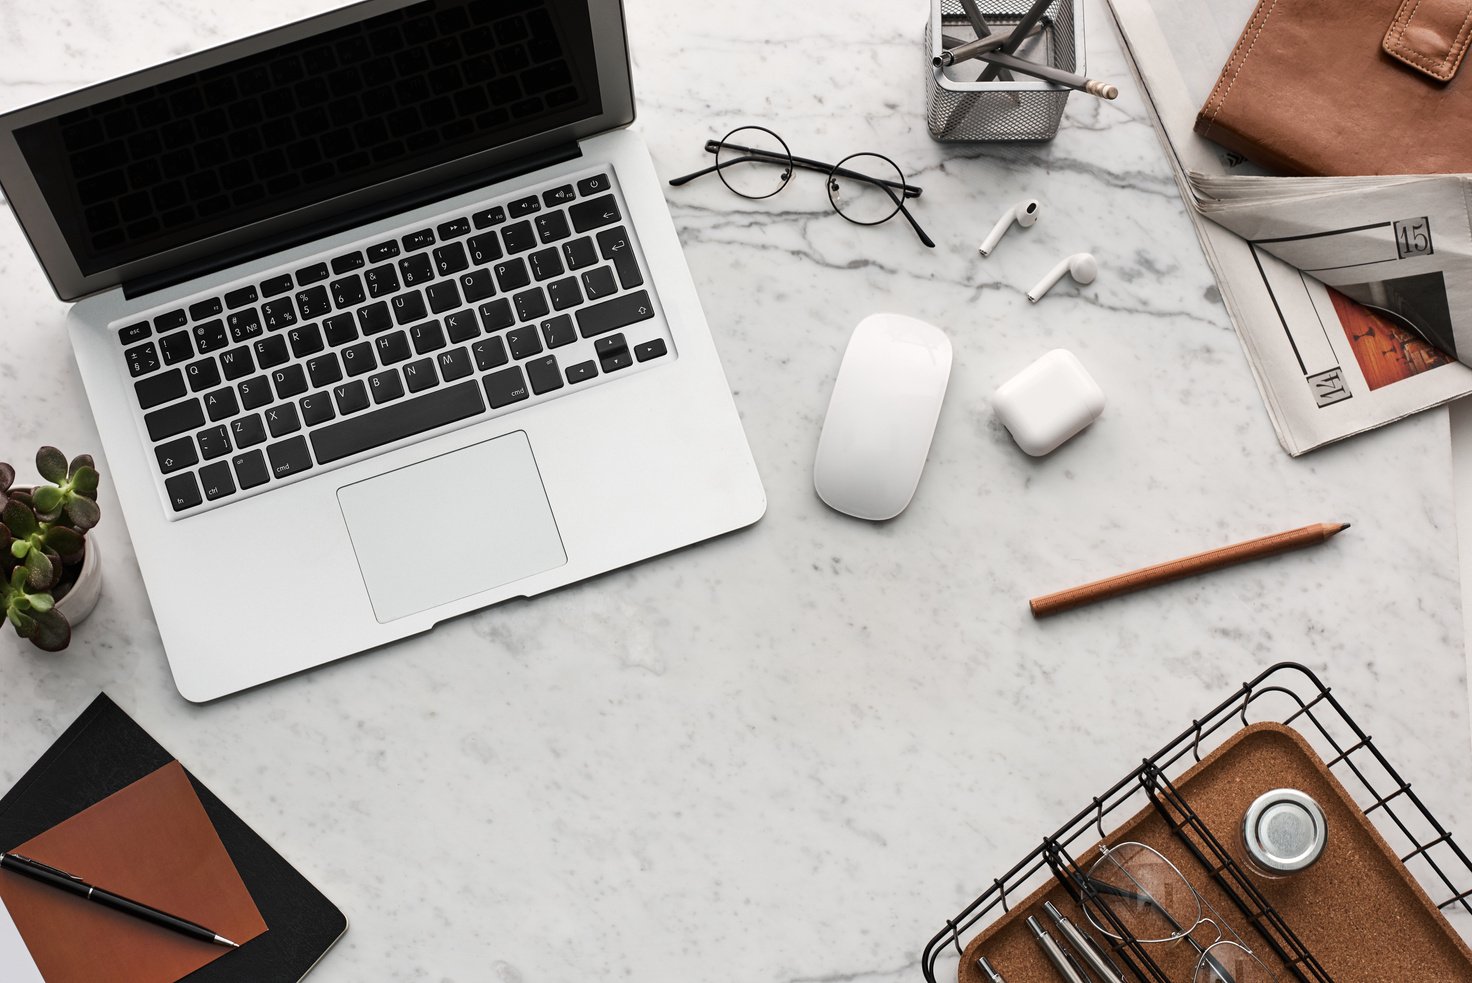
x=43 y=572
x=82 y=513
x=66 y=543
x=41 y=603
x=48 y=499
x=18 y=580
x=85 y=478
x=7 y=477
x=25 y=625
x=20 y=548
x=52 y=633
x=19 y=517
x=52 y=464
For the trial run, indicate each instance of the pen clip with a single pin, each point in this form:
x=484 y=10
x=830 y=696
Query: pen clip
x=36 y=863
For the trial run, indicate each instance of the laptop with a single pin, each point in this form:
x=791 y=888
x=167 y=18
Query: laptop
x=383 y=319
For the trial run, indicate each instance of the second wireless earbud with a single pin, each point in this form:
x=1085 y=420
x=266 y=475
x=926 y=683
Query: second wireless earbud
x=1083 y=267
x=1024 y=213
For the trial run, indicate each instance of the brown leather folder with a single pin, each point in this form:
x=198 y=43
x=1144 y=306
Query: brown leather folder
x=150 y=842
x=1348 y=87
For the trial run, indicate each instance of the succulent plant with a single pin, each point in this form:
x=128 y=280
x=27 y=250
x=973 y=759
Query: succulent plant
x=43 y=537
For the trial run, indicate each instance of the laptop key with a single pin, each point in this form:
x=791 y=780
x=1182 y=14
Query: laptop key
x=250 y=469
x=427 y=337
x=524 y=206
x=305 y=340
x=209 y=336
x=461 y=325
x=289 y=457
x=134 y=332
x=564 y=293
x=558 y=196
x=277 y=285
x=241 y=297
x=313 y=303
x=416 y=269
x=451 y=259
x=216 y=480
x=340 y=329
x=170 y=321
x=324 y=370
x=496 y=315
x=505 y=387
x=383 y=251
x=420 y=375
x=599 y=283
x=347 y=292
x=409 y=308
x=348 y=263
x=244 y=325
x=358 y=359
x=544 y=374
x=531 y=304
x=374 y=318
x=278 y=314
x=558 y=331
x=203 y=374
x=453 y=229
x=254 y=392
x=205 y=309
x=489 y=354
x=454 y=364
x=248 y=431
x=443 y=295
x=614 y=245
x=221 y=404
x=308 y=275
x=579 y=253
x=176 y=347
x=382 y=280
x=616 y=313
x=418 y=240
x=141 y=360
x=593 y=185
x=316 y=408
x=518 y=237
x=350 y=398
x=271 y=351
x=484 y=249
x=524 y=342
x=183 y=491
x=160 y=389
x=173 y=420
x=290 y=381
x=489 y=217
x=477 y=285
x=594 y=214
x=213 y=442
x=392 y=348
x=395 y=422
x=282 y=420
x=512 y=275
x=545 y=264
x=237 y=363
x=581 y=372
x=175 y=454
x=552 y=227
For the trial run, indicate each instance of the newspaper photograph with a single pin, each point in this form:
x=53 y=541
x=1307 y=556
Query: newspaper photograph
x=1352 y=296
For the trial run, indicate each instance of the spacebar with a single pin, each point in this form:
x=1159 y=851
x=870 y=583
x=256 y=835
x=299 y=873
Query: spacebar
x=359 y=433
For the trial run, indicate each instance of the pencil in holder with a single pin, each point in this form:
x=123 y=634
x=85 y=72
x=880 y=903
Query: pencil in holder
x=959 y=109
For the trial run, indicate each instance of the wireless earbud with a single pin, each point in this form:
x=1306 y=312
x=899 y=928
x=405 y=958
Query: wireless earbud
x=1024 y=213
x=1083 y=267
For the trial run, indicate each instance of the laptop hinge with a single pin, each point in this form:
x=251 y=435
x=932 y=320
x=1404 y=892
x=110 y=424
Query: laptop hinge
x=360 y=215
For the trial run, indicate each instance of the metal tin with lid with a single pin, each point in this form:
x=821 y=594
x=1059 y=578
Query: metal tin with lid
x=1283 y=832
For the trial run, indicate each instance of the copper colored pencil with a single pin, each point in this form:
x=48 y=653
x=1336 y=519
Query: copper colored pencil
x=1188 y=566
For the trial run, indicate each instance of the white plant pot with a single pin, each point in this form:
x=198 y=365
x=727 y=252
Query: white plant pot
x=82 y=598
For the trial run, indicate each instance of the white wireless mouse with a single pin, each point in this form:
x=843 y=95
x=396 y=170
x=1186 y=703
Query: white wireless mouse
x=882 y=415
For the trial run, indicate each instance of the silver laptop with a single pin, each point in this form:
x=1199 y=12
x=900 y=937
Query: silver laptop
x=383 y=319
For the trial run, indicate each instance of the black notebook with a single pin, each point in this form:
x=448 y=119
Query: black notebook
x=103 y=752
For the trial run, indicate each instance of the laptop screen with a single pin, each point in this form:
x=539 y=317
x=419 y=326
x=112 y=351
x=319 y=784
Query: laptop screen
x=132 y=174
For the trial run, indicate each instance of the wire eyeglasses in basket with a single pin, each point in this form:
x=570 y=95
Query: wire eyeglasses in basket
x=1155 y=903
x=865 y=188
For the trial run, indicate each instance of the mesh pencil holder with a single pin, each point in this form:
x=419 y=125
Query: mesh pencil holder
x=1022 y=109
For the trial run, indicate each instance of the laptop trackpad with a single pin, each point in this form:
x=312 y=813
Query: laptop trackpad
x=452 y=526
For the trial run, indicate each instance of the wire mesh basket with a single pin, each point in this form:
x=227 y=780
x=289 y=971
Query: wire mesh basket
x=959 y=109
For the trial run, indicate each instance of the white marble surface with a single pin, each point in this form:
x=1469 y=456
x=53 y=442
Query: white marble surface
x=792 y=753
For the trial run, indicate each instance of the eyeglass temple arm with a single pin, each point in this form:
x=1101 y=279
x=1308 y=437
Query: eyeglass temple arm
x=1217 y=968
x=900 y=204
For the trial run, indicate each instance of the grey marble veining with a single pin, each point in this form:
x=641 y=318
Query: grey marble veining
x=791 y=753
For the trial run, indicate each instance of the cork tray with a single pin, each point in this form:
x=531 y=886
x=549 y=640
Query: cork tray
x=1358 y=910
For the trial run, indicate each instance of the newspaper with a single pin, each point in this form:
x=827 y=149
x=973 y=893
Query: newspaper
x=1352 y=296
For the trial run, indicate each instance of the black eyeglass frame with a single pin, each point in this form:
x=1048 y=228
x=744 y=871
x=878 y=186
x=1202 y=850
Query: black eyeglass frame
x=790 y=160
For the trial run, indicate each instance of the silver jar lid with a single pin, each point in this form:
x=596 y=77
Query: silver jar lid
x=1284 y=830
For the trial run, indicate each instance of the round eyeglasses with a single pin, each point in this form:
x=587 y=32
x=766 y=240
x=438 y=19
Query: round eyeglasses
x=865 y=188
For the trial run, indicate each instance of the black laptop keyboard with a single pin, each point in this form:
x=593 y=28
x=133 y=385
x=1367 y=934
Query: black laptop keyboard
x=475 y=315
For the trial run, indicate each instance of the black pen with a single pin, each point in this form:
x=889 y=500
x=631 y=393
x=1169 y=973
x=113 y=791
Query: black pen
x=36 y=870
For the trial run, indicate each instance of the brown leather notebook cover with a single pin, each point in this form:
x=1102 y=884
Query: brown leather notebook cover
x=1341 y=87
x=151 y=842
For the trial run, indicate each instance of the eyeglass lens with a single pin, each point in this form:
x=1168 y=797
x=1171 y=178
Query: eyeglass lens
x=754 y=162
x=1148 y=895
x=856 y=190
